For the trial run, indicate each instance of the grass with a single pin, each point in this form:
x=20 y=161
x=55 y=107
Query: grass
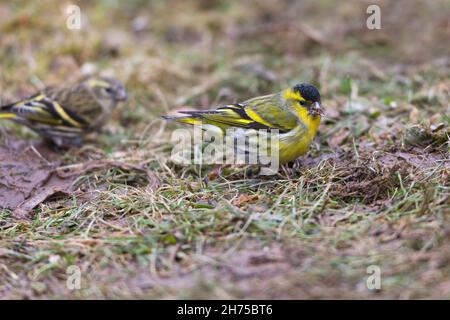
x=374 y=189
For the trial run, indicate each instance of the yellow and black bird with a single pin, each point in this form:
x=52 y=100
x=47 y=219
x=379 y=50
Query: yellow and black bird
x=65 y=115
x=295 y=112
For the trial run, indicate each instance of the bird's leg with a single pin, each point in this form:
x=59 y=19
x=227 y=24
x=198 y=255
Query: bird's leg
x=252 y=170
x=54 y=144
x=60 y=144
x=290 y=168
x=6 y=138
x=296 y=165
x=284 y=172
x=4 y=134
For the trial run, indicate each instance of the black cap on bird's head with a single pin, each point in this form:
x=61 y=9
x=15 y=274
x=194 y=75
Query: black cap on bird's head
x=308 y=92
x=310 y=97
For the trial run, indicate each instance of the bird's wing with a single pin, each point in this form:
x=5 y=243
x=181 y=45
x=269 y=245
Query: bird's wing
x=80 y=102
x=41 y=109
x=258 y=113
x=269 y=111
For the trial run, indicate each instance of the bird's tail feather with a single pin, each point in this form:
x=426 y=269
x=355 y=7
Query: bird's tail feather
x=7 y=115
x=184 y=119
x=5 y=112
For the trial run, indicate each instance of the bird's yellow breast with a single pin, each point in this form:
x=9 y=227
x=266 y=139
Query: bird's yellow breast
x=298 y=141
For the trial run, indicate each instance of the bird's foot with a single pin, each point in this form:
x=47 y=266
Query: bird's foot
x=289 y=169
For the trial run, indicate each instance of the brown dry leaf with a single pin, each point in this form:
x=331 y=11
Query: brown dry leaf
x=244 y=199
x=54 y=186
x=27 y=176
x=30 y=174
x=214 y=173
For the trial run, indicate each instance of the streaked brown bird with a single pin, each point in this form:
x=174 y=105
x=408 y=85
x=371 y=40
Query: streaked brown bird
x=65 y=115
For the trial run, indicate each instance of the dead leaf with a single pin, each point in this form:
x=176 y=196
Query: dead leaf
x=27 y=170
x=55 y=186
x=244 y=199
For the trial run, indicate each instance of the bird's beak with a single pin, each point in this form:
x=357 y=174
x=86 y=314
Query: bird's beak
x=317 y=108
x=121 y=95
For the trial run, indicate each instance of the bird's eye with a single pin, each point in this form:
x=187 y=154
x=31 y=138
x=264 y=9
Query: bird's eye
x=303 y=102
